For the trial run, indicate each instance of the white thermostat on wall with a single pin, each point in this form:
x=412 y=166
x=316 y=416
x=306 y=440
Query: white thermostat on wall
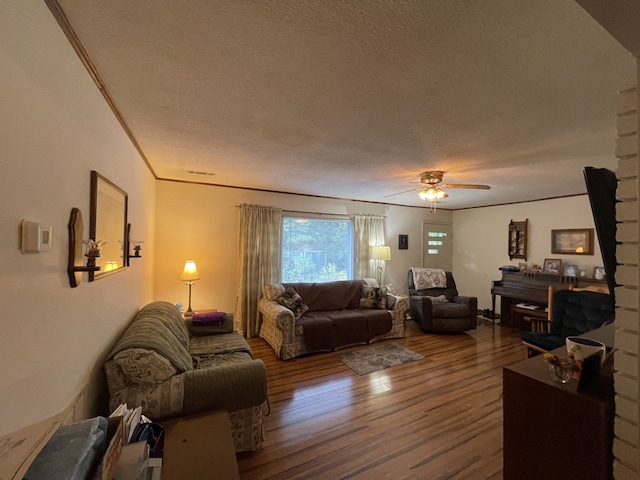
x=35 y=237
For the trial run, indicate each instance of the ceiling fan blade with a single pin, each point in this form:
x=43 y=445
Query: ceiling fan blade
x=466 y=185
x=400 y=193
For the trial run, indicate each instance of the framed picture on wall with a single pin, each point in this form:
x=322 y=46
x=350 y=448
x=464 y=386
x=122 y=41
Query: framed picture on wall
x=403 y=242
x=573 y=241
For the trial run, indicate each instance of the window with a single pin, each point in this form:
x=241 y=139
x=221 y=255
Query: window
x=435 y=243
x=316 y=249
x=437 y=248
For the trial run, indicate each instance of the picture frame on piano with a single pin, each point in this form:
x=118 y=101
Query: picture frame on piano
x=552 y=265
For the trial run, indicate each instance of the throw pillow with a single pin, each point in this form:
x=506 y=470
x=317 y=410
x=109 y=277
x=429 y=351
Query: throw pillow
x=372 y=297
x=439 y=299
x=293 y=301
x=273 y=290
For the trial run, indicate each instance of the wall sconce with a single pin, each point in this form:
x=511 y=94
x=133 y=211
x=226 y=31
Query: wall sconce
x=75 y=265
x=129 y=254
x=189 y=275
x=381 y=254
x=136 y=248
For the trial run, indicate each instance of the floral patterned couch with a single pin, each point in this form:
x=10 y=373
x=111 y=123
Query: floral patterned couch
x=172 y=368
x=300 y=318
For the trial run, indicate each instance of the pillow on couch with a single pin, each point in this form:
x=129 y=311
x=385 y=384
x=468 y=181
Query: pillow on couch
x=143 y=366
x=293 y=301
x=372 y=297
x=273 y=290
x=204 y=330
x=438 y=299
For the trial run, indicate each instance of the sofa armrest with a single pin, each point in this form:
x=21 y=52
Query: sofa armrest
x=399 y=307
x=280 y=315
x=158 y=400
x=471 y=302
x=233 y=386
x=421 y=310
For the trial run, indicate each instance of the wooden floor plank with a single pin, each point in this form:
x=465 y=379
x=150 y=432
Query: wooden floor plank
x=439 y=417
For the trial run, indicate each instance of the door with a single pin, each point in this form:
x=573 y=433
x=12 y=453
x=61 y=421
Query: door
x=437 y=245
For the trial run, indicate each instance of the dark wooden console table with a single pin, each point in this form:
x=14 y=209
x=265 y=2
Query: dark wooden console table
x=556 y=431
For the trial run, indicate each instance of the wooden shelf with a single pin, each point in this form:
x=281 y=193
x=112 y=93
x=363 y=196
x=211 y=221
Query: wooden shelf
x=518 y=239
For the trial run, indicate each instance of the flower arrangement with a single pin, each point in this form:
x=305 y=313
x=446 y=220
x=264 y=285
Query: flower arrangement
x=94 y=247
x=562 y=369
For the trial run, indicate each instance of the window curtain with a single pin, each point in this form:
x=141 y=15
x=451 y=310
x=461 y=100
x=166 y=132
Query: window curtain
x=257 y=262
x=369 y=232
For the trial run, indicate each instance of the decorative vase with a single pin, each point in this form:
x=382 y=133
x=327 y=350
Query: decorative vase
x=560 y=374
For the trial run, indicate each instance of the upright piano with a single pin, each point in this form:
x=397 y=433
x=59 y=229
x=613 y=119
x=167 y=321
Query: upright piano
x=531 y=288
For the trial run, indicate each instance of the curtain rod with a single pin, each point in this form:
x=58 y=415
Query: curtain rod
x=335 y=214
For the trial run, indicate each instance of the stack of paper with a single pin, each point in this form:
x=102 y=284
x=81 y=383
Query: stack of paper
x=528 y=306
x=131 y=417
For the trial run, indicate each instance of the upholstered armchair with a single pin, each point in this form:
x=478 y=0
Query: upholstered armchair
x=437 y=307
x=572 y=312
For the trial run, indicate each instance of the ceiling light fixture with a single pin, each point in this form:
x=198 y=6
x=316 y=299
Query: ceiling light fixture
x=433 y=194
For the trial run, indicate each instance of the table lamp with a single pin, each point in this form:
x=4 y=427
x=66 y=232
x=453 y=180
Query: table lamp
x=381 y=254
x=189 y=275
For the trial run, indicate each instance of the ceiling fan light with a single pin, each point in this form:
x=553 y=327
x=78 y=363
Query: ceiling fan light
x=428 y=194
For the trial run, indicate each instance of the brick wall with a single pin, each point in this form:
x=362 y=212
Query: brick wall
x=626 y=447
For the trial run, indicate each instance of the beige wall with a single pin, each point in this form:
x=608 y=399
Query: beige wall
x=480 y=240
x=201 y=222
x=55 y=128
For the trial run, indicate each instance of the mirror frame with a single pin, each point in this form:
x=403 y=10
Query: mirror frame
x=114 y=221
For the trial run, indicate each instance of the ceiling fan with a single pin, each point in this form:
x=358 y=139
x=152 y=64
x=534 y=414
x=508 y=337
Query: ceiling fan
x=432 y=190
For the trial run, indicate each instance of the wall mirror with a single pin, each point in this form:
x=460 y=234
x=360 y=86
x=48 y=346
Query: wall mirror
x=108 y=223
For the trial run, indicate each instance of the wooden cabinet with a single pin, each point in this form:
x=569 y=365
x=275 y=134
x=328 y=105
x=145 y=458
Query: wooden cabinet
x=557 y=431
x=518 y=239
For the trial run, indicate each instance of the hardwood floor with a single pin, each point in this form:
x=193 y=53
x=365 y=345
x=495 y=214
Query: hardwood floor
x=435 y=418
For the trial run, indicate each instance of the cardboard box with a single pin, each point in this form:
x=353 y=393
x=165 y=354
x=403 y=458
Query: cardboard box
x=199 y=446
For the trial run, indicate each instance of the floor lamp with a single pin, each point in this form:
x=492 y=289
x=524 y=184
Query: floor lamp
x=189 y=275
x=381 y=254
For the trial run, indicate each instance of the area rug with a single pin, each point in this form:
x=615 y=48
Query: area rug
x=378 y=357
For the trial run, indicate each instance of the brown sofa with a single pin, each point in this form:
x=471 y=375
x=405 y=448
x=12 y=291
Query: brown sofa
x=327 y=316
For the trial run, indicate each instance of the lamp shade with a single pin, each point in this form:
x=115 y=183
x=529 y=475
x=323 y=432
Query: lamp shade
x=381 y=253
x=190 y=272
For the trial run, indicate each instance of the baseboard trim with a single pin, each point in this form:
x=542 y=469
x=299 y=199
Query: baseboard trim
x=18 y=449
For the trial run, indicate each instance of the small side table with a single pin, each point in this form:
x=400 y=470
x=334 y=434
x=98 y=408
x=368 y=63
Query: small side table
x=199 y=446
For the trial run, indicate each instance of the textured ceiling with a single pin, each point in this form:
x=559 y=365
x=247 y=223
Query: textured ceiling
x=353 y=99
